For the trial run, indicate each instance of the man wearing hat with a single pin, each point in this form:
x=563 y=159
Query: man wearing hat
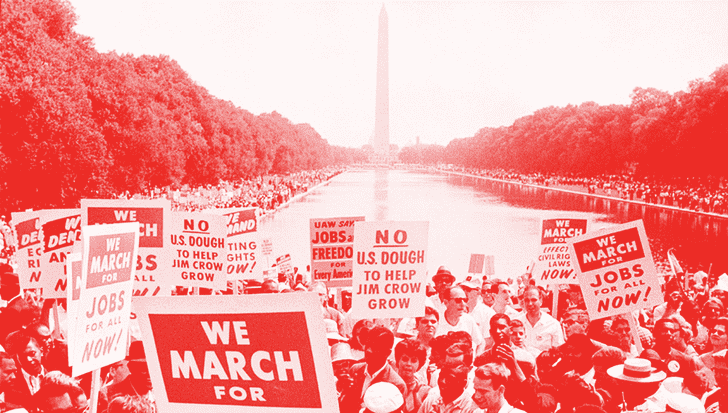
x=341 y=361
x=479 y=311
x=637 y=380
x=443 y=280
x=673 y=301
x=137 y=383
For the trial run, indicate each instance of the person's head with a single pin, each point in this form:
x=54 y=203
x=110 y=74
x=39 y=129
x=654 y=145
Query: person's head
x=667 y=332
x=358 y=332
x=42 y=334
x=720 y=369
x=673 y=295
x=532 y=300
x=459 y=354
x=383 y=397
x=622 y=333
x=320 y=288
x=638 y=379
x=575 y=321
x=443 y=280
x=518 y=332
x=130 y=404
x=341 y=359
x=712 y=309
x=471 y=286
x=550 y=365
x=604 y=359
x=501 y=292
x=500 y=329
x=27 y=350
x=438 y=348
x=686 y=330
x=7 y=369
x=137 y=365
x=269 y=286
x=490 y=386
x=486 y=294
x=60 y=394
x=377 y=347
x=456 y=301
x=719 y=334
x=573 y=391
x=409 y=356
x=9 y=282
x=427 y=325
x=452 y=381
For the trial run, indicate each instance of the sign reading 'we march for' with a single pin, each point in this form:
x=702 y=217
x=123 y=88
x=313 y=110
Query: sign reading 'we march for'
x=616 y=271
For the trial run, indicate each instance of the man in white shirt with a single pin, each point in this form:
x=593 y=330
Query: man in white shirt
x=456 y=319
x=476 y=308
x=542 y=331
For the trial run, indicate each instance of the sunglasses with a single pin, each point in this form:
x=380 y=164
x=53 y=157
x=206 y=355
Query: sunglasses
x=460 y=300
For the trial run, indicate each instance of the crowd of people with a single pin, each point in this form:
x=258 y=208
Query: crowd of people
x=695 y=194
x=482 y=345
x=266 y=193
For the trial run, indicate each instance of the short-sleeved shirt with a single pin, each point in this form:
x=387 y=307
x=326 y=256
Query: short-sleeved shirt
x=466 y=323
x=547 y=332
x=482 y=315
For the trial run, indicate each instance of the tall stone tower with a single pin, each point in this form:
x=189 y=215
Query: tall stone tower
x=380 y=140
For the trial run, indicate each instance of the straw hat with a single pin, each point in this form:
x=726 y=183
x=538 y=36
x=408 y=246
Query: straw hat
x=637 y=370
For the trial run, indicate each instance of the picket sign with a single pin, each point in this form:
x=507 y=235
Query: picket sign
x=332 y=250
x=234 y=356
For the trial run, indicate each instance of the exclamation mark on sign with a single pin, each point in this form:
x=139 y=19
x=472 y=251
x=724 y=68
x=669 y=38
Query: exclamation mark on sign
x=253 y=266
x=118 y=339
x=647 y=292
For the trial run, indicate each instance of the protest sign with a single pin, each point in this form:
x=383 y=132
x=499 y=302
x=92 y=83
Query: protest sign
x=155 y=251
x=104 y=304
x=200 y=254
x=615 y=270
x=283 y=263
x=242 y=243
x=27 y=231
x=73 y=294
x=266 y=353
x=553 y=265
x=61 y=228
x=267 y=247
x=489 y=265
x=390 y=269
x=332 y=250
x=476 y=263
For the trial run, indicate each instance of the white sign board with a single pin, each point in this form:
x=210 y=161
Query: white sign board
x=104 y=305
x=390 y=269
x=615 y=270
x=199 y=253
x=553 y=265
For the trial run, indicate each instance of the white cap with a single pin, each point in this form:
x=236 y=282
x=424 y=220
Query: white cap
x=383 y=397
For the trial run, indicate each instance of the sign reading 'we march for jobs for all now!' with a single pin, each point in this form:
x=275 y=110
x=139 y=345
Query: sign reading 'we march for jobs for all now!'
x=616 y=271
x=390 y=269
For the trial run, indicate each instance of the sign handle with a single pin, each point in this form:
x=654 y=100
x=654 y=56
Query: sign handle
x=95 y=387
x=635 y=332
x=555 y=303
x=56 y=322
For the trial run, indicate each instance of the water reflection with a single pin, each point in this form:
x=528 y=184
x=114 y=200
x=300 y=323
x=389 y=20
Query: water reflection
x=381 y=194
x=698 y=240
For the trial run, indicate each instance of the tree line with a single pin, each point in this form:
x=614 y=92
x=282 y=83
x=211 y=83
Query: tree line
x=77 y=123
x=684 y=134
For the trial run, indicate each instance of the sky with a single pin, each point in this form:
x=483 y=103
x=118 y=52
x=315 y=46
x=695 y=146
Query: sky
x=454 y=68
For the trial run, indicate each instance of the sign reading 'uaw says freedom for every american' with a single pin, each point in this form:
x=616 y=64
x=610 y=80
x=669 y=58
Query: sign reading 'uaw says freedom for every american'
x=553 y=265
x=616 y=271
x=332 y=250
x=104 y=305
x=261 y=353
x=390 y=269
x=154 y=252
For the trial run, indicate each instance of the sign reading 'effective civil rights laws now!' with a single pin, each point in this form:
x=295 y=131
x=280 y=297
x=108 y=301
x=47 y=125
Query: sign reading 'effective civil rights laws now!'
x=616 y=271
x=227 y=353
x=390 y=269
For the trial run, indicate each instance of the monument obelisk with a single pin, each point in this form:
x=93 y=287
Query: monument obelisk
x=380 y=142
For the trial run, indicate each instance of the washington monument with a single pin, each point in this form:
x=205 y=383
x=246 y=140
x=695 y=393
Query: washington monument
x=380 y=139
